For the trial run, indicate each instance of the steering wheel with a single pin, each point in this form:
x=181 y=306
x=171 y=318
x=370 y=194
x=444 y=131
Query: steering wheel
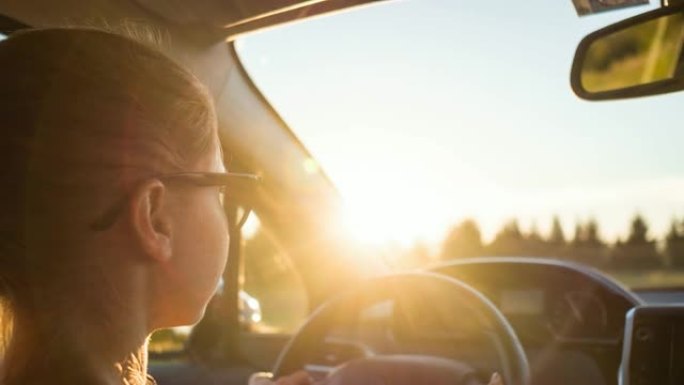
x=428 y=288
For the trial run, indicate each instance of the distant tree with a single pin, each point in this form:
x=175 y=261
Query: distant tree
x=579 y=234
x=638 y=231
x=591 y=233
x=556 y=242
x=638 y=251
x=557 y=236
x=463 y=241
x=534 y=244
x=587 y=246
x=587 y=234
x=674 y=244
x=533 y=235
x=509 y=241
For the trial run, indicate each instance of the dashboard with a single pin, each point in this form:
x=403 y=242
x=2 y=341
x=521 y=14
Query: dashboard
x=570 y=320
x=548 y=301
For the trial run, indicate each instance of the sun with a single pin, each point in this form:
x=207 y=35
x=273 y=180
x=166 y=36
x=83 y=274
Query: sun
x=391 y=217
x=365 y=224
x=399 y=189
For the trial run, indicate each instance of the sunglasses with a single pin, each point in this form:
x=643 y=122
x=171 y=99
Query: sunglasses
x=200 y=179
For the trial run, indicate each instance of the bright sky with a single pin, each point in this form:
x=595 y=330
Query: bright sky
x=425 y=112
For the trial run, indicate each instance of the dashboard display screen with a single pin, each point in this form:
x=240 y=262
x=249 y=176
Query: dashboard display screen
x=522 y=302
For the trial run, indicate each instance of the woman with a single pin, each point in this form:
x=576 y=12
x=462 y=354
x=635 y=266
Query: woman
x=112 y=225
x=102 y=241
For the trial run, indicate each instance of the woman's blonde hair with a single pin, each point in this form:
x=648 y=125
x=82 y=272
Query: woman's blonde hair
x=83 y=112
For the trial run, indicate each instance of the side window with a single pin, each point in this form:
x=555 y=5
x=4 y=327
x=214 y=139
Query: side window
x=272 y=299
x=169 y=340
x=271 y=283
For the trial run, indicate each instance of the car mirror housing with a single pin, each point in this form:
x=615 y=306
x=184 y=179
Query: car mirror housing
x=639 y=56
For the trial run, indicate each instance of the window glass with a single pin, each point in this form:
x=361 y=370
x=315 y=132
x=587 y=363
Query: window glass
x=451 y=131
x=272 y=298
x=272 y=284
x=169 y=340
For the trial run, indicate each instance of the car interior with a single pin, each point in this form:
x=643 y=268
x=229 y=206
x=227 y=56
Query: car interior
x=300 y=293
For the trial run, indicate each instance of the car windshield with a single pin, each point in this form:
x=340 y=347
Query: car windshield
x=450 y=130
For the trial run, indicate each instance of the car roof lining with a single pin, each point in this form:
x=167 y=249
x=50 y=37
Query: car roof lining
x=236 y=17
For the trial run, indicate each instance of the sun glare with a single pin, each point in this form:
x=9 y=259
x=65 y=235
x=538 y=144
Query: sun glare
x=396 y=213
x=311 y=166
x=370 y=226
x=407 y=197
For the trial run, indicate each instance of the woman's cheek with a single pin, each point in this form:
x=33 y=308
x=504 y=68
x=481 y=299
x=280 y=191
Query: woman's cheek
x=200 y=258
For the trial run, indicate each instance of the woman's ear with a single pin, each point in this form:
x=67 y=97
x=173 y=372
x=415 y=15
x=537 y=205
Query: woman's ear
x=151 y=221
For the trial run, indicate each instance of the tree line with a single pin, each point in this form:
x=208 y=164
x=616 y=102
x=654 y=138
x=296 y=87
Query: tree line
x=637 y=251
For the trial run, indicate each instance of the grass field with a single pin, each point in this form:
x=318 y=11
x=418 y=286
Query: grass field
x=649 y=278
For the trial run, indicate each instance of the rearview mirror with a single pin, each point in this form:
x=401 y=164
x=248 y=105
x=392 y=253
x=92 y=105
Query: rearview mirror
x=639 y=56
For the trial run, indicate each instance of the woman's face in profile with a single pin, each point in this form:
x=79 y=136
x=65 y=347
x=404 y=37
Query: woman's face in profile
x=200 y=244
